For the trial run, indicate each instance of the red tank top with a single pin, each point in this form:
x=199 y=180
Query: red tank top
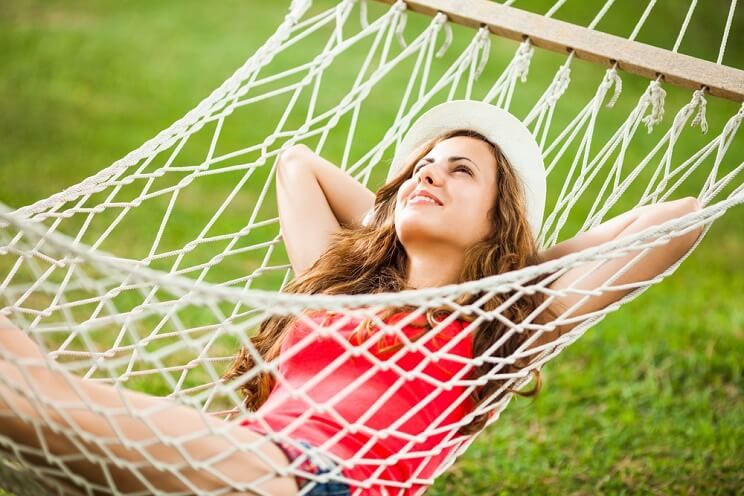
x=412 y=392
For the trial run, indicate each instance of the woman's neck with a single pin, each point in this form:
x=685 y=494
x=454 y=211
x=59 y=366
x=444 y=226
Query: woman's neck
x=432 y=268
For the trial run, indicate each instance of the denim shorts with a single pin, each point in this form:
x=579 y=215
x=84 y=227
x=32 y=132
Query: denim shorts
x=315 y=462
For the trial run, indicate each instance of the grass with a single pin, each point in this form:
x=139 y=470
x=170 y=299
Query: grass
x=647 y=402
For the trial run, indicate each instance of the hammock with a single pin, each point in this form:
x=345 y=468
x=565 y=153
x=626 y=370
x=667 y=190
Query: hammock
x=163 y=307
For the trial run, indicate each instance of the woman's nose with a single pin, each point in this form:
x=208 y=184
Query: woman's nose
x=430 y=174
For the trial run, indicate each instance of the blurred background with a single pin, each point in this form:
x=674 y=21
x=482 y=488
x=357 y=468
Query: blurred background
x=647 y=402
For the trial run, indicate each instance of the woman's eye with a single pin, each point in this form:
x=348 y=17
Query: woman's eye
x=464 y=168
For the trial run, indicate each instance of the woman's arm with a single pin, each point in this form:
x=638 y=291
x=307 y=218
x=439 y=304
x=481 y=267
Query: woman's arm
x=655 y=261
x=315 y=198
x=605 y=231
x=120 y=431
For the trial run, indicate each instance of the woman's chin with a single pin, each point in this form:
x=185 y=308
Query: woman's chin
x=412 y=229
x=421 y=214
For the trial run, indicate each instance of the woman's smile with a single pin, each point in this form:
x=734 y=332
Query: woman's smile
x=422 y=200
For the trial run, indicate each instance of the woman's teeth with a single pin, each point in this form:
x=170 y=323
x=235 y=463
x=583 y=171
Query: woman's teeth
x=421 y=199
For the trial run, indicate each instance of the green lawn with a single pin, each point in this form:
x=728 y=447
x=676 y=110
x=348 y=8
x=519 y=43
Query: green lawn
x=647 y=402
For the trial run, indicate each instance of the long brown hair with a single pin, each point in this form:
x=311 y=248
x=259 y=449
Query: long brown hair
x=371 y=259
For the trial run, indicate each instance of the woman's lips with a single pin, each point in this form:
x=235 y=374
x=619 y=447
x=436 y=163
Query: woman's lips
x=422 y=200
x=426 y=194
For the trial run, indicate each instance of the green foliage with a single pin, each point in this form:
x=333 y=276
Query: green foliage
x=647 y=402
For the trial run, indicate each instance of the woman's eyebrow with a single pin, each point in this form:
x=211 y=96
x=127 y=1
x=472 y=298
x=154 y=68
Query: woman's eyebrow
x=452 y=159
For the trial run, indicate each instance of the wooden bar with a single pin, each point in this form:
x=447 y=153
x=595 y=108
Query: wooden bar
x=601 y=48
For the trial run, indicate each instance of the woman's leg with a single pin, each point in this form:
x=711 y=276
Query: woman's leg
x=107 y=427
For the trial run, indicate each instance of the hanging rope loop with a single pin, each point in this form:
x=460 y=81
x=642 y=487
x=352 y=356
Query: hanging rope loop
x=614 y=80
x=441 y=21
x=698 y=99
x=484 y=46
x=656 y=94
x=401 y=10
x=523 y=59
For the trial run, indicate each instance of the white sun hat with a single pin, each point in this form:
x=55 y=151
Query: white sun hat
x=501 y=128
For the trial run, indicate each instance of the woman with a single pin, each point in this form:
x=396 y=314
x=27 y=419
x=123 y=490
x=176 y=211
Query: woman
x=464 y=202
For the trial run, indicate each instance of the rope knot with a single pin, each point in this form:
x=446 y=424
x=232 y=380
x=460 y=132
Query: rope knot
x=612 y=78
x=484 y=43
x=656 y=94
x=523 y=59
x=698 y=99
x=559 y=85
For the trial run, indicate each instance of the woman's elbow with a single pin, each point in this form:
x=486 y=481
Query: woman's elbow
x=295 y=154
x=692 y=204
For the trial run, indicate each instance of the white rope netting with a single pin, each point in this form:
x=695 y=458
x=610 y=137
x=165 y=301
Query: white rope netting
x=162 y=307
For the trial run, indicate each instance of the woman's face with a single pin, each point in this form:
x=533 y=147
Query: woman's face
x=461 y=173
